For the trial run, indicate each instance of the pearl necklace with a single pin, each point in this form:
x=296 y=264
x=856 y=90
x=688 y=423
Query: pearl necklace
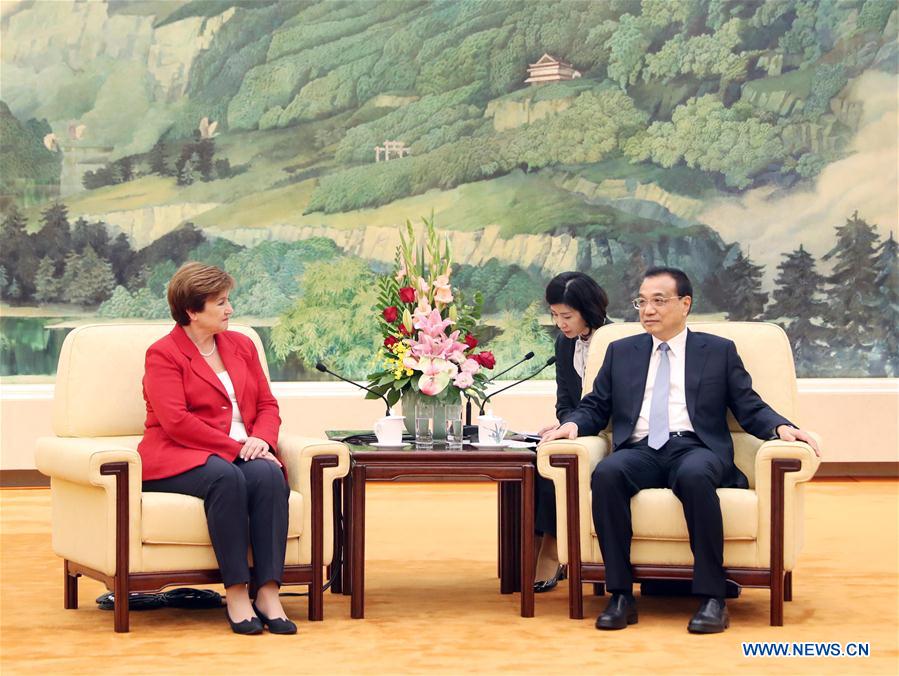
x=207 y=354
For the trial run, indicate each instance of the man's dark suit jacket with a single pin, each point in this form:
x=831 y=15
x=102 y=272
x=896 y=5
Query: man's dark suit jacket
x=715 y=381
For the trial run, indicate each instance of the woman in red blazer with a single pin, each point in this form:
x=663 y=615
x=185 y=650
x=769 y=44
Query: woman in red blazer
x=211 y=432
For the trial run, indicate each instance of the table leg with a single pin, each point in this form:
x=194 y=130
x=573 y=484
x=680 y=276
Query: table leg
x=499 y=529
x=347 y=580
x=506 y=551
x=510 y=581
x=357 y=604
x=514 y=528
x=527 y=564
x=335 y=570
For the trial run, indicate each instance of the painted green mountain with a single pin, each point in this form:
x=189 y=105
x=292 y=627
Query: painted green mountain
x=740 y=90
x=675 y=104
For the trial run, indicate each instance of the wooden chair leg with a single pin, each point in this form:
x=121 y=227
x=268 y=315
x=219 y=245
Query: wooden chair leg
x=122 y=566
x=316 y=595
x=599 y=589
x=70 y=587
x=575 y=591
x=779 y=581
x=788 y=585
x=120 y=605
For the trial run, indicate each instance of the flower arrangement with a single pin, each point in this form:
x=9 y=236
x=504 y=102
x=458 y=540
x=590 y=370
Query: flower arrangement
x=429 y=344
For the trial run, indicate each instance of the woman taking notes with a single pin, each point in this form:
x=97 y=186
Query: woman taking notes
x=211 y=429
x=578 y=307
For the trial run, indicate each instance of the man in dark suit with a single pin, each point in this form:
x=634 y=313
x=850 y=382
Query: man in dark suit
x=667 y=393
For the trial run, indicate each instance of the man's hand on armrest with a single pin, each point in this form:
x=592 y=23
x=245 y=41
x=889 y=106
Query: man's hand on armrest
x=566 y=431
x=787 y=433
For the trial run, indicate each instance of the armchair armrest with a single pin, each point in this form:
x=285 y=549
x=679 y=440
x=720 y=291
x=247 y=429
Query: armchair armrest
x=781 y=467
x=88 y=503
x=785 y=450
x=78 y=459
x=555 y=459
x=298 y=454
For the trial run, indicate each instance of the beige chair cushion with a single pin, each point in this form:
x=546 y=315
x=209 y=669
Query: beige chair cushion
x=86 y=404
x=657 y=514
x=172 y=518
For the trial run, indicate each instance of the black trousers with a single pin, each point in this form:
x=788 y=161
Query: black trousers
x=544 y=506
x=694 y=473
x=246 y=506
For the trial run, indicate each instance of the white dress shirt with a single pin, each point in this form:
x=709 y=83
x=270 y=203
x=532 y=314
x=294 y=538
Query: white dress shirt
x=238 y=431
x=678 y=417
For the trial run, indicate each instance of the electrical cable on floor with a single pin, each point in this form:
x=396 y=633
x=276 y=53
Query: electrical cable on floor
x=198 y=599
x=336 y=564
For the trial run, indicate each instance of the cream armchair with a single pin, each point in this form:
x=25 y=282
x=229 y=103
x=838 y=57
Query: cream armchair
x=106 y=528
x=762 y=525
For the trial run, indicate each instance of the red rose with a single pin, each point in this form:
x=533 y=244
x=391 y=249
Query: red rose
x=390 y=313
x=471 y=341
x=390 y=340
x=407 y=294
x=485 y=359
x=403 y=330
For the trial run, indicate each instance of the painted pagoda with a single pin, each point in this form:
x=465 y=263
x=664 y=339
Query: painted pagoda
x=550 y=69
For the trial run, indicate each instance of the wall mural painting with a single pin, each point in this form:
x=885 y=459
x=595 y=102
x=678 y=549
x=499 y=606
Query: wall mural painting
x=752 y=143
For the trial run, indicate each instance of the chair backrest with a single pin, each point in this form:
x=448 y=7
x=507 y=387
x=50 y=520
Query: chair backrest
x=98 y=381
x=766 y=354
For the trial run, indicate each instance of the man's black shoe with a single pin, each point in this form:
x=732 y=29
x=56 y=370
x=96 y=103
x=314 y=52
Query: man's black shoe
x=711 y=618
x=621 y=611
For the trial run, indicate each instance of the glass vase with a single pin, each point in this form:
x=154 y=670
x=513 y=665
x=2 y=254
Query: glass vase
x=409 y=400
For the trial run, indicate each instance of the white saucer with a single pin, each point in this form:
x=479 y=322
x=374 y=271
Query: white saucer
x=378 y=444
x=478 y=444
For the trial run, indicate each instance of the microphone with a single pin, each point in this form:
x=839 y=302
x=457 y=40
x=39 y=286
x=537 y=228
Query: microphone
x=324 y=369
x=529 y=355
x=549 y=362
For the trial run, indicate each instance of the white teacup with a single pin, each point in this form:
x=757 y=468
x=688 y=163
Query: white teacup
x=491 y=429
x=389 y=429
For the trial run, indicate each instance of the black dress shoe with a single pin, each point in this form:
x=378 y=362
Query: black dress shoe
x=278 y=625
x=245 y=627
x=711 y=618
x=541 y=586
x=621 y=611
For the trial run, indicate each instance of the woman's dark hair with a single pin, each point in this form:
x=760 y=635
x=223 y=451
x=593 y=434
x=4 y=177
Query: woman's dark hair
x=192 y=285
x=580 y=292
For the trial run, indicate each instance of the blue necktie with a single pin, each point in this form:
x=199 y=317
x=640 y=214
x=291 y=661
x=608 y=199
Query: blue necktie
x=658 y=407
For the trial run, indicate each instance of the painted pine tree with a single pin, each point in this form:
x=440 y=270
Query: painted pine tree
x=205 y=151
x=158 y=159
x=17 y=256
x=885 y=356
x=743 y=293
x=54 y=239
x=47 y=285
x=798 y=307
x=852 y=296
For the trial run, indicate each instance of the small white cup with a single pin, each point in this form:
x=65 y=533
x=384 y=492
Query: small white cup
x=491 y=429
x=389 y=429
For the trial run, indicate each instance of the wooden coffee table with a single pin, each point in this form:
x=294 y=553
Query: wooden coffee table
x=513 y=470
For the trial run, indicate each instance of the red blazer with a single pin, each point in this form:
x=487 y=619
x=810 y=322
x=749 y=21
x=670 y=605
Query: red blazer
x=188 y=409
